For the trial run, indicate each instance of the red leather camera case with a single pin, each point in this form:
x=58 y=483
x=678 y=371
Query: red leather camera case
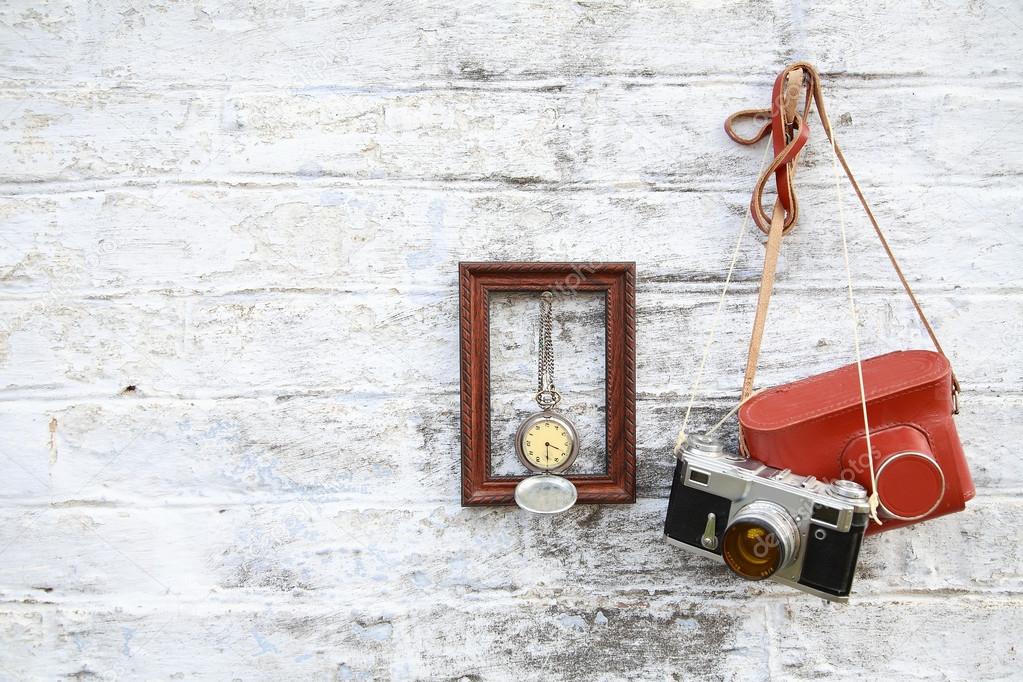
x=815 y=428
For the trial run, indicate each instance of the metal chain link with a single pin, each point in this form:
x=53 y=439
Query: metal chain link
x=546 y=395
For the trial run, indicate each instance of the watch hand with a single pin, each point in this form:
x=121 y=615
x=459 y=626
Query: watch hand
x=556 y=448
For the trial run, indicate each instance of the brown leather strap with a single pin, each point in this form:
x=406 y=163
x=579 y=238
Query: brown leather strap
x=774 y=236
x=789 y=132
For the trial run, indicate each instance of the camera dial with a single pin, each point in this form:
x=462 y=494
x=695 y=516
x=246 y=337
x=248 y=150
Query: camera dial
x=703 y=445
x=850 y=490
x=708 y=446
x=761 y=539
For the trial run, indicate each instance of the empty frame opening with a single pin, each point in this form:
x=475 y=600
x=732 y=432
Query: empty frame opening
x=579 y=341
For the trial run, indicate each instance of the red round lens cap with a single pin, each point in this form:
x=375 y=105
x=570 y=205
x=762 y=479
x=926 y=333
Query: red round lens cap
x=910 y=485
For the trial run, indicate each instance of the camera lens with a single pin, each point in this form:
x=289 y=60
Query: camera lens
x=760 y=540
x=751 y=550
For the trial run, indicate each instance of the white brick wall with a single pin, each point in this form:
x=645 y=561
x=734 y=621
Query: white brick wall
x=252 y=212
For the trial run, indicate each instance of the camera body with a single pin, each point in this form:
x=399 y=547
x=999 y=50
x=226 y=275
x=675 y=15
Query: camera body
x=815 y=427
x=764 y=522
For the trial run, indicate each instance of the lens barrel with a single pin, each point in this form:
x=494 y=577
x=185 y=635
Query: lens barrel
x=761 y=540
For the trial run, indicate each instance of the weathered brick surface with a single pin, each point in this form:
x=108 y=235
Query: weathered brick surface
x=229 y=348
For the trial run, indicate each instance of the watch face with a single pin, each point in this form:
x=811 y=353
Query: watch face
x=547 y=442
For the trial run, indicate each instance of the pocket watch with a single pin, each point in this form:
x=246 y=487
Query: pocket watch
x=546 y=442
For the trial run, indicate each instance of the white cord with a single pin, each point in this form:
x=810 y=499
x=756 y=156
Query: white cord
x=730 y=413
x=717 y=316
x=874 y=500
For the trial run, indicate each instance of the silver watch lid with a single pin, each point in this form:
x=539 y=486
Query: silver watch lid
x=545 y=494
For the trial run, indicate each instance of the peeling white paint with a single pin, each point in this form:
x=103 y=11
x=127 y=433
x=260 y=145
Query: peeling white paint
x=229 y=238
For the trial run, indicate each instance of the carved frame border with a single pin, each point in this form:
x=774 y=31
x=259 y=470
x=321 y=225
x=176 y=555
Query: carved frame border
x=618 y=282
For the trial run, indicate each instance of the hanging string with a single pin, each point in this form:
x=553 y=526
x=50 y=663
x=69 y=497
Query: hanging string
x=730 y=413
x=714 y=323
x=873 y=500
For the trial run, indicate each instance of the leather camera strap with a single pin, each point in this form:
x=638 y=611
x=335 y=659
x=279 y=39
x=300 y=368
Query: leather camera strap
x=789 y=131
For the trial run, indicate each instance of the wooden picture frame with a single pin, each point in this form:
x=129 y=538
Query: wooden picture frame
x=617 y=281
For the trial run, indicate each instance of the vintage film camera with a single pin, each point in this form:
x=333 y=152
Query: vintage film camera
x=764 y=522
